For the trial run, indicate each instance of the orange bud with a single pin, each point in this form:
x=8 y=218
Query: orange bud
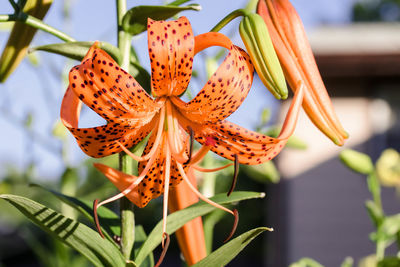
x=298 y=63
x=191 y=236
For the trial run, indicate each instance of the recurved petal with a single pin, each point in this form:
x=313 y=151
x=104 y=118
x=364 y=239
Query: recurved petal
x=171 y=50
x=226 y=89
x=102 y=141
x=297 y=60
x=110 y=91
x=228 y=139
x=121 y=180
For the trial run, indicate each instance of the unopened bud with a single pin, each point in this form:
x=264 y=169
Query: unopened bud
x=258 y=43
x=357 y=161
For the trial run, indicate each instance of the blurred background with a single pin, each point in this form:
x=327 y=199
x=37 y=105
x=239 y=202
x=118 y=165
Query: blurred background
x=315 y=204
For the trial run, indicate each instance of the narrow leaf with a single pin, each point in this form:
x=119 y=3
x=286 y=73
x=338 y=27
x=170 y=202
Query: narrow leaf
x=389 y=262
x=177 y=219
x=109 y=219
x=77 y=50
x=208 y=224
x=20 y=37
x=227 y=252
x=135 y=20
x=140 y=238
x=374 y=212
x=86 y=241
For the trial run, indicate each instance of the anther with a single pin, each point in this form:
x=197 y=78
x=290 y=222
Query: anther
x=191 y=145
x=96 y=218
x=234 y=226
x=165 y=246
x=235 y=176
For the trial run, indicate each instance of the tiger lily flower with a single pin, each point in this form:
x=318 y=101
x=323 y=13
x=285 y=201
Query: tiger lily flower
x=298 y=63
x=132 y=114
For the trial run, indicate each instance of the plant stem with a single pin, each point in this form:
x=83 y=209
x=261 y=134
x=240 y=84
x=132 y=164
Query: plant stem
x=228 y=18
x=126 y=164
x=38 y=24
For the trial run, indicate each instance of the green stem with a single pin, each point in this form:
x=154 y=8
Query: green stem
x=126 y=163
x=231 y=16
x=251 y=6
x=380 y=250
x=14 y=5
x=38 y=24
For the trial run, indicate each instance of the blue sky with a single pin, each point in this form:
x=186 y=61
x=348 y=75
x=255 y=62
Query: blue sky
x=38 y=91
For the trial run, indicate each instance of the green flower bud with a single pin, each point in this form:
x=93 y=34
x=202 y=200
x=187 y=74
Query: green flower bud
x=258 y=43
x=20 y=38
x=358 y=162
x=388 y=168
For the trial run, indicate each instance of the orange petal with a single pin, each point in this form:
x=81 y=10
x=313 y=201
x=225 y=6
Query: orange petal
x=297 y=60
x=171 y=49
x=191 y=235
x=110 y=91
x=121 y=181
x=152 y=185
x=102 y=141
x=229 y=139
x=226 y=89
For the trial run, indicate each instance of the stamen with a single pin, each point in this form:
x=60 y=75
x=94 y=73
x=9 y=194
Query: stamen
x=200 y=169
x=173 y=132
x=235 y=176
x=191 y=144
x=234 y=226
x=164 y=251
x=96 y=218
x=156 y=142
x=200 y=154
x=166 y=189
x=186 y=179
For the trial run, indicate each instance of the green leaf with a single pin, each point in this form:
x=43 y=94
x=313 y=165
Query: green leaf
x=389 y=262
x=389 y=228
x=227 y=252
x=77 y=50
x=177 y=219
x=208 y=224
x=135 y=20
x=86 y=241
x=109 y=221
x=140 y=238
x=374 y=212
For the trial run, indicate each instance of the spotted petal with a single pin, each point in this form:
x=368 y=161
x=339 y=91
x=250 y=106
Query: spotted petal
x=226 y=89
x=102 y=141
x=110 y=91
x=228 y=139
x=130 y=111
x=152 y=185
x=171 y=49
